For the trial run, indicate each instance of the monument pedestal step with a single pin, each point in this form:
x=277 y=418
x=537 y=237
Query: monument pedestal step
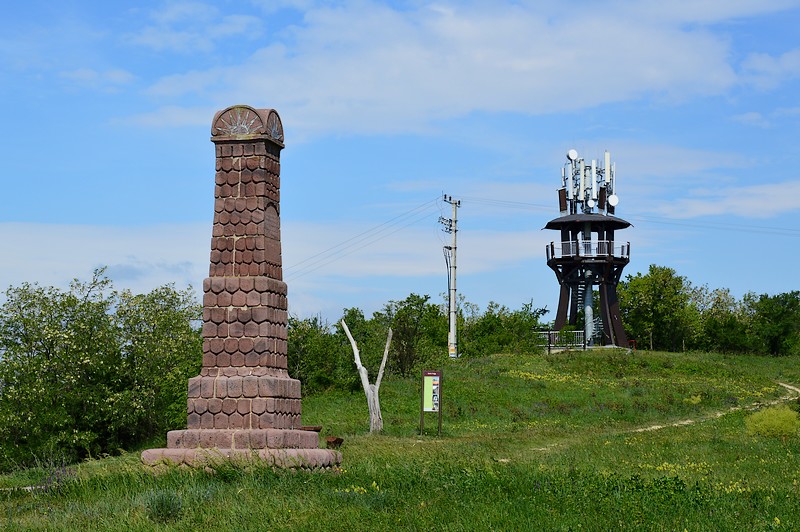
x=286 y=458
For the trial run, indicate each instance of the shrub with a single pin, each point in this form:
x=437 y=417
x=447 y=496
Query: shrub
x=501 y=330
x=776 y=421
x=319 y=358
x=419 y=333
x=90 y=370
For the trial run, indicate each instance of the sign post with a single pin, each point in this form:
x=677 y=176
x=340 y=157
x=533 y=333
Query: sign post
x=431 y=400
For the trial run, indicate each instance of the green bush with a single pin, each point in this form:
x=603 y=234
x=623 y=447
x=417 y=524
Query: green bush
x=501 y=330
x=419 y=333
x=776 y=322
x=90 y=370
x=318 y=357
x=775 y=421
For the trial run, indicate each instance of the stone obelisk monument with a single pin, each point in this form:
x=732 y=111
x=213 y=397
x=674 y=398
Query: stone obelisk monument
x=244 y=404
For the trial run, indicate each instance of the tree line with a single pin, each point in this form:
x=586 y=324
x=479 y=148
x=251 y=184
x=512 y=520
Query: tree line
x=664 y=311
x=321 y=357
x=89 y=370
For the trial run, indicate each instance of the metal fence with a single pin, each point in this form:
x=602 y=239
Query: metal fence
x=562 y=339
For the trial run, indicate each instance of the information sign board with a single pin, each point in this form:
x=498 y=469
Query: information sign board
x=431 y=400
x=430 y=390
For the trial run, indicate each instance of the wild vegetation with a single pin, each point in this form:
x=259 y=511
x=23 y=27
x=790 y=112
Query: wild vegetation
x=556 y=442
x=91 y=370
x=321 y=357
x=604 y=439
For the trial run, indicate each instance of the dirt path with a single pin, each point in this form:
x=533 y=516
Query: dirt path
x=795 y=393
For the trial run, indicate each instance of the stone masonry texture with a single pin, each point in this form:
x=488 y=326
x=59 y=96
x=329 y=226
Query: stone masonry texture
x=244 y=403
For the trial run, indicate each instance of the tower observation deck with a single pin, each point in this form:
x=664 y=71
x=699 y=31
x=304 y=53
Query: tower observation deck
x=588 y=253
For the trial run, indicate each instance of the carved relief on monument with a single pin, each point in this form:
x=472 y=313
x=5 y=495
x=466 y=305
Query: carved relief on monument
x=244 y=120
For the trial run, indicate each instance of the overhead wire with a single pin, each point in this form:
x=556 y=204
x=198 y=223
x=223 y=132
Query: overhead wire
x=360 y=241
x=340 y=254
x=507 y=203
x=780 y=231
x=724 y=226
x=422 y=211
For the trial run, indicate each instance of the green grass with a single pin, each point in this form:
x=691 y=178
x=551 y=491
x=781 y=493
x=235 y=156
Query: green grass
x=528 y=442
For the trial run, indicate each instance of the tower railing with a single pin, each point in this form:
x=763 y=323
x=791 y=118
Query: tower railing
x=594 y=248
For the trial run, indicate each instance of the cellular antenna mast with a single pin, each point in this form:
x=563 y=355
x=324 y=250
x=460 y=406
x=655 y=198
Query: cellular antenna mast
x=587 y=254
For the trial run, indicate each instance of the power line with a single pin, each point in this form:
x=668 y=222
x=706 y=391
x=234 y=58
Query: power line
x=723 y=226
x=508 y=203
x=361 y=240
x=420 y=212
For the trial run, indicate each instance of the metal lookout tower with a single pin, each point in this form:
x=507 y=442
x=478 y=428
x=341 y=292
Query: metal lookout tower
x=587 y=254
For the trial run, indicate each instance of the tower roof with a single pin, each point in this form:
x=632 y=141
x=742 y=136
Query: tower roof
x=610 y=222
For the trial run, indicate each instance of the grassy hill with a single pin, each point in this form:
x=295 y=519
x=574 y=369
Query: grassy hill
x=601 y=440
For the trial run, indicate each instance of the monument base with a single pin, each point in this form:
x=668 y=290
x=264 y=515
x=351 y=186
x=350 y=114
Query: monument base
x=275 y=447
x=284 y=458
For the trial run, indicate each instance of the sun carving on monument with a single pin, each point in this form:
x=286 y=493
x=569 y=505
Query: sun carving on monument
x=274 y=128
x=239 y=121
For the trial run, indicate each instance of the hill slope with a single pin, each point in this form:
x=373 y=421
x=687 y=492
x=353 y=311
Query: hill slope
x=536 y=442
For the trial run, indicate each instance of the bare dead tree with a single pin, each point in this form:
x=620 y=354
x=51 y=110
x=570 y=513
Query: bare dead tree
x=370 y=390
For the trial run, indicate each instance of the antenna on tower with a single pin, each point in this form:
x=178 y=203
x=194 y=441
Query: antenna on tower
x=587 y=187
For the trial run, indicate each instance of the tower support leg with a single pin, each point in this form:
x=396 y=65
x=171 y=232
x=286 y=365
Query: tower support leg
x=612 y=321
x=563 y=305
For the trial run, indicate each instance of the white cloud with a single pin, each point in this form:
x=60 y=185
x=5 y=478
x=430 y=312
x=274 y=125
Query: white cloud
x=407 y=261
x=486 y=251
x=767 y=119
x=138 y=258
x=364 y=67
x=677 y=182
x=189 y=27
x=706 y=12
x=755 y=201
x=639 y=160
x=173 y=116
x=142 y=258
x=108 y=80
x=271 y=6
x=351 y=250
x=765 y=71
x=649 y=174
x=178 y=12
x=752 y=118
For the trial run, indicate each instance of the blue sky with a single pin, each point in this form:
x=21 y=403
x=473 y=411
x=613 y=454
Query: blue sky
x=386 y=106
